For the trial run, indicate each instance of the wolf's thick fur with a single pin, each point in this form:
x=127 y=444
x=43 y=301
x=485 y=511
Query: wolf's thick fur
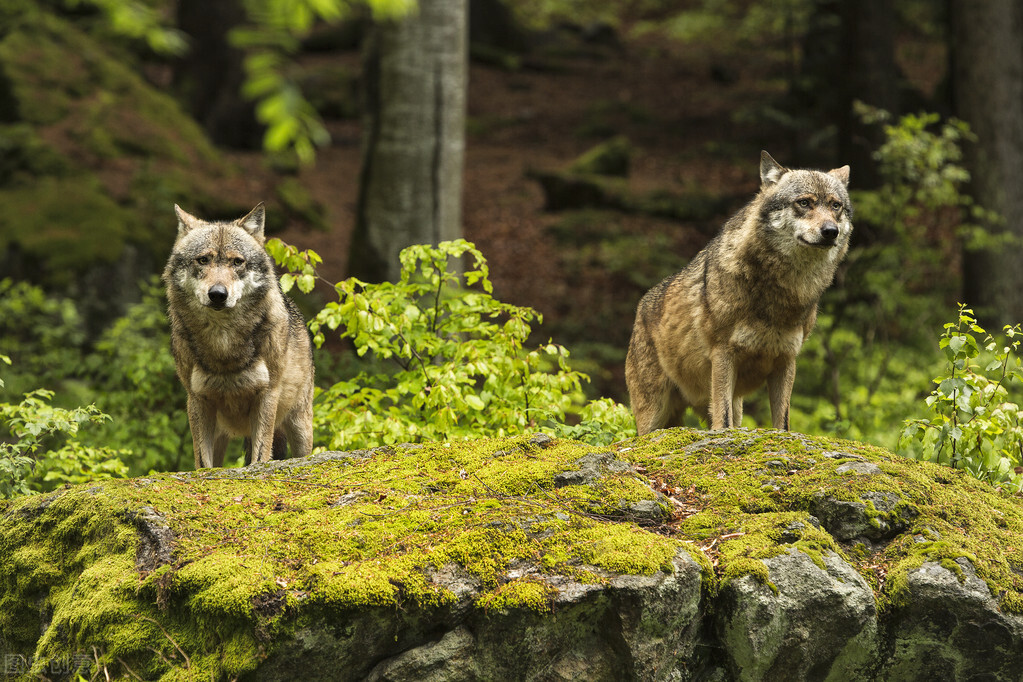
x=241 y=347
x=738 y=314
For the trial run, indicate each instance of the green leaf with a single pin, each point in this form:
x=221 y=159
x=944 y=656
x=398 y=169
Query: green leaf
x=280 y=133
x=306 y=283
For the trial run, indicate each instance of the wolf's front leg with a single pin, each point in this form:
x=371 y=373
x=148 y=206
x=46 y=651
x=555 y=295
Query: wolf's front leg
x=298 y=427
x=736 y=412
x=262 y=419
x=220 y=448
x=722 y=389
x=202 y=421
x=779 y=389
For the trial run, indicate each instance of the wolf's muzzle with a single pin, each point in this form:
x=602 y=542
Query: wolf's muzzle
x=828 y=236
x=218 y=296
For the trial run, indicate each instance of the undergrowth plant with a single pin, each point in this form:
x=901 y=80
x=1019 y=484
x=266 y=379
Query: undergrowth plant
x=126 y=370
x=973 y=424
x=38 y=446
x=131 y=373
x=459 y=367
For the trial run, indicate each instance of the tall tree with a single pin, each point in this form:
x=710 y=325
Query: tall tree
x=211 y=72
x=869 y=74
x=411 y=182
x=988 y=84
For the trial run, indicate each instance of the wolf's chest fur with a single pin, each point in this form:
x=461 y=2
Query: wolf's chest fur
x=756 y=339
x=240 y=385
x=226 y=343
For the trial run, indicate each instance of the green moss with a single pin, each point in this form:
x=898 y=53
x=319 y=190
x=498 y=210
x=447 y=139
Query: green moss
x=481 y=505
x=1012 y=602
x=748 y=567
x=744 y=504
x=528 y=593
x=610 y=495
x=624 y=549
x=607 y=158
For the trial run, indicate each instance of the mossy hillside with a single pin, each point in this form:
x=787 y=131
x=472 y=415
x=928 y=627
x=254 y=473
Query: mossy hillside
x=256 y=546
x=94 y=157
x=751 y=495
x=60 y=76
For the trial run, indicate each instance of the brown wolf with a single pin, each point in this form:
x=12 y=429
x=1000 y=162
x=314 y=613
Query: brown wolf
x=738 y=314
x=241 y=347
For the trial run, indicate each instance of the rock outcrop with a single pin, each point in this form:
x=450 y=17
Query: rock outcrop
x=682 y=555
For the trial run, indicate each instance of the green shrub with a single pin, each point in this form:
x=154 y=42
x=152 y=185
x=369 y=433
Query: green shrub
x=459 y=367
x=127 y=373
x=973 y=424
x=130 y=374
x=38 y=450
x=39 y=442
x=43 y=335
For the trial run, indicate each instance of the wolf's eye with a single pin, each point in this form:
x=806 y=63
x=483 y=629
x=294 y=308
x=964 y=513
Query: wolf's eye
x=836 y=206
x=238 y=262
x=202 y=260
x=803 y=203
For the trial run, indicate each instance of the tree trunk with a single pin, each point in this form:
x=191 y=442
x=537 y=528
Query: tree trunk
x=212 y=72
x=848 y=55
x=411 y=181
x=988 y=85
x=869 y=74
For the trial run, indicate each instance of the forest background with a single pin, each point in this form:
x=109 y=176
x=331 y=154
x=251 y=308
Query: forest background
x=587 y=149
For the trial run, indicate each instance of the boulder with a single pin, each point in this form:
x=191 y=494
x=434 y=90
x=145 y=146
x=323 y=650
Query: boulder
x=681 y=555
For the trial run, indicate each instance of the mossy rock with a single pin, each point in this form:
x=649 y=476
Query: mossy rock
x=607 y=158
x=59 y=75
x=489 y=559
x=61 y=237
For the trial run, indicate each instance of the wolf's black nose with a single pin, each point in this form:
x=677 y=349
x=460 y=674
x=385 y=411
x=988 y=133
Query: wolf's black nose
x=829 y=231
x=218 y=295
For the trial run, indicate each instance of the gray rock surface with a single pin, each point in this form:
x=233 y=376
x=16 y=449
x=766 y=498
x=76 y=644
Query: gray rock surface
x=952 y=629
x=810 y=623
x=631 y=628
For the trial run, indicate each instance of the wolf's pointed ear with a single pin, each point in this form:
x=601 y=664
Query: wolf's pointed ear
x=254 y=222
x=841 y=173
x=770 y=170
x=186 y=221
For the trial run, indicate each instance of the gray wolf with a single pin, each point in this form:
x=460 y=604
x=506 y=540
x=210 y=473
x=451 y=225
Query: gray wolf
x=738 y=314
x=240 y=346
